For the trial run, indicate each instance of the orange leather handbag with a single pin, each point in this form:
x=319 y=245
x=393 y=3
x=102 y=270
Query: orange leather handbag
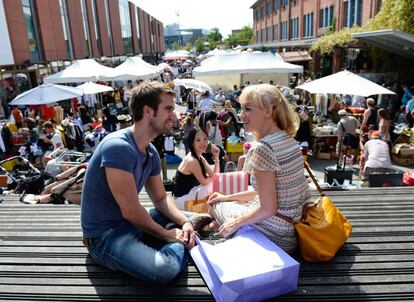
x=322 y=230
x=197 y=205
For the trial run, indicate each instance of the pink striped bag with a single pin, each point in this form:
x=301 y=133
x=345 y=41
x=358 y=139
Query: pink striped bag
x=231 y=182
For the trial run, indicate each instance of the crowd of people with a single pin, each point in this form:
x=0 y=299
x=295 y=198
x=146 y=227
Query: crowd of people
x=127 y=136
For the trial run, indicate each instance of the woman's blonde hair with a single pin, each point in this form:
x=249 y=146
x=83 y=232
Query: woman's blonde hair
x=266 y=95
x=227 y=104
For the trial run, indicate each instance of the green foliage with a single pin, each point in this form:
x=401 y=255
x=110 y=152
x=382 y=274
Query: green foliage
x=245 y=36
x=199 y=45
x=214 y=35
x=394 y=14
x=188 y=46
x=175 y=46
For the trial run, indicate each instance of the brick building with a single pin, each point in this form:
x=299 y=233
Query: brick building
x=292 y=26
x=46 y=33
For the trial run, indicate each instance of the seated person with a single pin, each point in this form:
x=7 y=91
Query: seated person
x=376 y=155
x=275 y=165
x=194 y=173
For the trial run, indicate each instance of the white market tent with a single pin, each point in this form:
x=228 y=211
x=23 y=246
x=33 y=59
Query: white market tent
x=344 y=82
x=134 y=68
x=46 y=94
x=93 y=88
x=81 y=71
x=177 y=55
x=215 y=52
x=225 y=70
x=194 y=84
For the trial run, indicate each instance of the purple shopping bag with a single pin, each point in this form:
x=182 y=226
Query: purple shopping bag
x=247 y=267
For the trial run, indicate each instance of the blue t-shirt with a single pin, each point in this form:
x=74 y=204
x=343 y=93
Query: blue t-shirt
x=99 y=210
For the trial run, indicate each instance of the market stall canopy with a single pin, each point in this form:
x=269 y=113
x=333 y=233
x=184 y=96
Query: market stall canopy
x=134 y=68
x=344 y=82
x=394 y=41
x=46 y=94
x=92 y=88
x=245 y=62
x=163 y=66
x=191 y=83
x=176 y=55
x=82 y=71
x=295 y=56
x=216 y=51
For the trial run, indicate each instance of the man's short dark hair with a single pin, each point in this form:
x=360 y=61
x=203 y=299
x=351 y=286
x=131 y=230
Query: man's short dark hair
x=147 y=93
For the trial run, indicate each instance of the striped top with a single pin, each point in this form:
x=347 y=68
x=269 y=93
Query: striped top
x=279 y=152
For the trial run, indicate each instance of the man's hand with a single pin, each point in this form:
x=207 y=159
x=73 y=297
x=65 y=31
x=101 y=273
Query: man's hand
x=216 y=197
x=188 y=235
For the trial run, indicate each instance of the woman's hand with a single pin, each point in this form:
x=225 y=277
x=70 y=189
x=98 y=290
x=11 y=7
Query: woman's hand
x=215 y=151
x=228 y=228
x=216 y=197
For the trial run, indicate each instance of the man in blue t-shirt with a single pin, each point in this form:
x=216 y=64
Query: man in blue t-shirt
x=119 y=233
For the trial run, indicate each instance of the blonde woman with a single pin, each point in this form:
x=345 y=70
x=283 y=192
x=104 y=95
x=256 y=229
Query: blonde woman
x=275 y=165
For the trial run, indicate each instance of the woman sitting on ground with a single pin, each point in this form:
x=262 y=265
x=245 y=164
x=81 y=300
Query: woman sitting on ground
x=275 y=164
x=194 y=173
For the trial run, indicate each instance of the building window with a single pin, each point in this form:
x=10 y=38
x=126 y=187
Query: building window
x=258 y=14
x=258 y=36
x=96 y=27
x=275 y=5
x=294 y=23
x=284 y=3
x=108 y=27
x=137 y=23
x=66 y=28
x=353 y=13
x=269 y=7
x=263 y=35
x=263 y=11
x=276 y=32
x=284 y=30
x=86 y=28
x=326 y=17
x=126 y=31
x=269 y=34
x=31 y=29
x=308 y=25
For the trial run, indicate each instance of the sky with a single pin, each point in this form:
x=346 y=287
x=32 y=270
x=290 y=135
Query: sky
x=223 y=14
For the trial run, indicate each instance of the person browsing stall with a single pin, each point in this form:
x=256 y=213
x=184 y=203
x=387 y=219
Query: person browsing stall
x=52 y=136
x=118 y=231
x=276 y=167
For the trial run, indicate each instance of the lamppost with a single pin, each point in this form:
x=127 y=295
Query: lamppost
x=177 y=13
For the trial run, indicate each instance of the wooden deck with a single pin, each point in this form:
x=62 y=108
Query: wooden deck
x=42 y=257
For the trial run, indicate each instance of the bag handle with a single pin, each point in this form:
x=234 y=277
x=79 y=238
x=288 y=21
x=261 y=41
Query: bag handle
x=321 y=192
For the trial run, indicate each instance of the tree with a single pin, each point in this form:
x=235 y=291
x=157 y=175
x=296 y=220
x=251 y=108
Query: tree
x=175 y=46
x=188 y=46
x=394 y=14
x=243 y=37
x=199 y=45
x=214 y=35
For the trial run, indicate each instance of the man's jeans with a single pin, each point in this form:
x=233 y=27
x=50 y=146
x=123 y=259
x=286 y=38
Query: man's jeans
x=129 y=249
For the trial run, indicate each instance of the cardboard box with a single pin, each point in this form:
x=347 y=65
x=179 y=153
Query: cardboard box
x=324 y=155
x=404 y=150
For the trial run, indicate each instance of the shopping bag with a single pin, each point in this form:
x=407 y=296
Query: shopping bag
x=231 y=182
x=197 y=205
x=247 y=267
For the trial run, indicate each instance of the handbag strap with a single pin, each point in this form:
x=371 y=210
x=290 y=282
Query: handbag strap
x=318 y=187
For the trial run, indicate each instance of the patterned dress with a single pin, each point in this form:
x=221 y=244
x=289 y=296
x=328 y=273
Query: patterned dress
x=277 y=152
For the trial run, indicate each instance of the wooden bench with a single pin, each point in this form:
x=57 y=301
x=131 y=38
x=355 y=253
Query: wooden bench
x=42 y=257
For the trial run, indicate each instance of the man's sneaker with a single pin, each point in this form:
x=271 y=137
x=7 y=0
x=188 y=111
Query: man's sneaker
x=199 y=221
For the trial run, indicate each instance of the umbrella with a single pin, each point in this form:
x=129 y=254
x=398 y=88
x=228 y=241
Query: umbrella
x=46 y=94
x=92 y=88
x=344 y=82
x=191 y=83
